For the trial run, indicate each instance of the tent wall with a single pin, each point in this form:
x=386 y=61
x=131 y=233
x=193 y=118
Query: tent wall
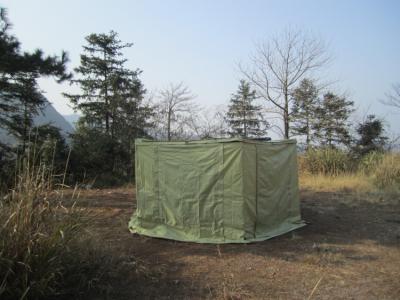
x=277 y=188
x=216 y=191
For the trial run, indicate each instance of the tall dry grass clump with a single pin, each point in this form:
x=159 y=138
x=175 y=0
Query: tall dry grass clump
x=45 y=251
x=369 y=163
x=338 y=170
x=326 y=161
x=387 y=172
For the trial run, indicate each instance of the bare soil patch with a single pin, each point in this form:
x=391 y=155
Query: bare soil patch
x=349 y=250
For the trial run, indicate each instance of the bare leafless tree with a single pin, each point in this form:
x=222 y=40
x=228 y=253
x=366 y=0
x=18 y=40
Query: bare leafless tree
x=209 y=123
x=277 y=66
x=393 y=98
x=175 y=107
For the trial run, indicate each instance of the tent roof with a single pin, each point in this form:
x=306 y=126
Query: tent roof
x=214 y=141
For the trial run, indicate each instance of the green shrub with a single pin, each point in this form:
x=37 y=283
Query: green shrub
x=99 y=159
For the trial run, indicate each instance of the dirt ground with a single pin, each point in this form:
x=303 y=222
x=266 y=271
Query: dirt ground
x=349 y=250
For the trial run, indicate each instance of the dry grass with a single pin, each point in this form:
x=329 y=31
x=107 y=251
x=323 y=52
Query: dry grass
x=46 y=249
x=376 y=178
x=341 y=183
x=326 y=161
x=333 y=169
x=350 y=188
x=387 y=173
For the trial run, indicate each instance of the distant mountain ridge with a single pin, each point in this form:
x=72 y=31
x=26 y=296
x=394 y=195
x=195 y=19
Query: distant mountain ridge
x=49 y=115
x=72 y=119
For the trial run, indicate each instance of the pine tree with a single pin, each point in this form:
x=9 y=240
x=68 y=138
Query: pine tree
x=111 y=101
x=243 y=116
x=20 y=97
x=30 y=101
x=131 y=120
x=305 y=100
x=103 y=81
x=331 y=126
x=131 y=117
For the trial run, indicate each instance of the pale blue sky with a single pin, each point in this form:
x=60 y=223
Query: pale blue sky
x=201 y=42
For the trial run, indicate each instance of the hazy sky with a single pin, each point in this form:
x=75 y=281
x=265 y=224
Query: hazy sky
x=201 y=42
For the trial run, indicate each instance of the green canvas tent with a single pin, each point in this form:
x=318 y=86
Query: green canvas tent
x=216 y=191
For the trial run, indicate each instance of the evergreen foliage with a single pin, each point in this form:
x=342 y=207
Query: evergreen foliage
x=20 y=97
x=243 y=116
x=103 y=80
x=332 y=125
x=304 y=105
x=111 y=101
x=371 y=136
x=93 y=157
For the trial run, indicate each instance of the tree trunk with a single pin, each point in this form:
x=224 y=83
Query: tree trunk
x=329 y=136
x=107 y=115
x=169 y=126
x=307 y=133
x=244 y=122
x=286 y=115
x=25 y=129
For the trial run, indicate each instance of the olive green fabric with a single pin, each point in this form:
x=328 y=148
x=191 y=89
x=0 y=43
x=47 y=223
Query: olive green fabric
x=216 y=191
